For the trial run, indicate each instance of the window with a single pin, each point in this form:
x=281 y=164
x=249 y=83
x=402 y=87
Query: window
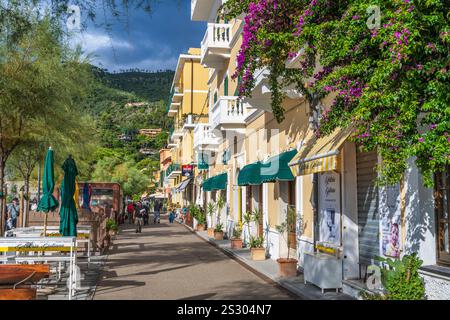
x=235 y=145
x=215 y=97
x=442 y=203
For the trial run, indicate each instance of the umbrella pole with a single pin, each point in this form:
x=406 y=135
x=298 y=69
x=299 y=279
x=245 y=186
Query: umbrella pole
x=45 y=224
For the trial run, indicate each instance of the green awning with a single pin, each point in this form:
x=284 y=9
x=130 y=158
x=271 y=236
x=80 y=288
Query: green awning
x=273 y=169
x=250 y=175
x=218 y=182
x=277 y=168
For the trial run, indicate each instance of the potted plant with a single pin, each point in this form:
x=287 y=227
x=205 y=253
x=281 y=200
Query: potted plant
x=111 y=227
x=236 y=241
x=201 y=220
x=218 y=232
x=257 y=250
x=257 y=219
x=220 y=206
x=287 y=266
x=247 y=220
x=211 y=208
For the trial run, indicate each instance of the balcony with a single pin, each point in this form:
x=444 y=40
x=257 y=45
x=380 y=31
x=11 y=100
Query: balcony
x=201 y=9
x=204 y=139
x=178 y=93
x=228 y=113
x=176 y=134
x=216 y=45
x=173 y=171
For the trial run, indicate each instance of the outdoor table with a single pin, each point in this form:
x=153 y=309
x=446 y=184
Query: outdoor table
x=13 y=250
x=83 y=235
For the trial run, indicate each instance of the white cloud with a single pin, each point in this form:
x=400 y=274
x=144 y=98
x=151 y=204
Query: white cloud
x=92 y=42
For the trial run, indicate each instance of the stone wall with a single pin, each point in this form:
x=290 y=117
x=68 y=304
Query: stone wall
x=437 y=287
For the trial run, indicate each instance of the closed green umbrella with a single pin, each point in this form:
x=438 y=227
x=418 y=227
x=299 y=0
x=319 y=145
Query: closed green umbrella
x=68 y=212
x=48 y=202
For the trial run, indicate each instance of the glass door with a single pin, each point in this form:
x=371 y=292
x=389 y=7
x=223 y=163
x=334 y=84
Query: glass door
x=442 y=202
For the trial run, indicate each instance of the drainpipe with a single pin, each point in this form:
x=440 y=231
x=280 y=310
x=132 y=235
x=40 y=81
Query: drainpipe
x=315 y=203
x=192 y=87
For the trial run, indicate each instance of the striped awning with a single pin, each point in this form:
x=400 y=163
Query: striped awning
x=320 y=154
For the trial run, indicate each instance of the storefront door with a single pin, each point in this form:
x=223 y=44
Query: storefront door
x=442 y=202
x=368 y=203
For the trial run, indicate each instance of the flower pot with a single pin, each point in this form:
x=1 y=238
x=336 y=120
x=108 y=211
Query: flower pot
x=200 y=227
x=236 y=243
x=258 y=254
x=218 y=235
x=211 y=232
x=287 y=268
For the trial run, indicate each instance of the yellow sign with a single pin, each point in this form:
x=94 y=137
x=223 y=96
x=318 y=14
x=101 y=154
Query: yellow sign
x=32 y=249
x=319 y=165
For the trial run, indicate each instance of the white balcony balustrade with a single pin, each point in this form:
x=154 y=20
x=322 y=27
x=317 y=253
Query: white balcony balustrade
x=216 y=45
x=204 y=138
x=228 y=113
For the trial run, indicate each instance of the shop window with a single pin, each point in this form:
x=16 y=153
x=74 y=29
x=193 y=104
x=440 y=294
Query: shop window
x=442 y=202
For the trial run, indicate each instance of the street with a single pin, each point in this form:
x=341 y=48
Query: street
x=169 y=262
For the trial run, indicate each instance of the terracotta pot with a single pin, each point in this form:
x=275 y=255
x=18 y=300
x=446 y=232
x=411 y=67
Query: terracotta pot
x=258 y=254
x=236 y=243
x=200 y=227
x=218 y=235
x=287 y=268
x=211 y=232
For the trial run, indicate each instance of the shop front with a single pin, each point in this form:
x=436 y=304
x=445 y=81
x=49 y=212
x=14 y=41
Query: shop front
x=320 y=166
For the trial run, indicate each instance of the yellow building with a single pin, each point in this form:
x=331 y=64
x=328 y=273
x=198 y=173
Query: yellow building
x=188 y=106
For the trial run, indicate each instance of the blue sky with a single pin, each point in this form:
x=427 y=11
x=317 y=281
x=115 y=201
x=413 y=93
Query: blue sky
x=150 y=41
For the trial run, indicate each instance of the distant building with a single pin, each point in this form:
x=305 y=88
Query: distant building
x=136 y=104
x=151 y=133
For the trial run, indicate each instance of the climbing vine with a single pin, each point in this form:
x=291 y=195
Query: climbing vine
x=390 y=82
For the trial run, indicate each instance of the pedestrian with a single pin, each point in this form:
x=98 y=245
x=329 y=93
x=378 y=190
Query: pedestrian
x=130 y=212
x=157 y=209
x=171 y=215
x=13 y=211
x=146 y=214
x=139 y=220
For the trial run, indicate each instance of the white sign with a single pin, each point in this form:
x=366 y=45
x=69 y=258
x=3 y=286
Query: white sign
x=329 y=208
x=390 y=221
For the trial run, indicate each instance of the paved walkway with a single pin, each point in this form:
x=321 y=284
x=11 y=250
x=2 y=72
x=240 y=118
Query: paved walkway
x=168 y=262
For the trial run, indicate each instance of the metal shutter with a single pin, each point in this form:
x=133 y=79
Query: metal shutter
x=368 y=215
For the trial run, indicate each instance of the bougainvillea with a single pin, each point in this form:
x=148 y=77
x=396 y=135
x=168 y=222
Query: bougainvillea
x=391 y=81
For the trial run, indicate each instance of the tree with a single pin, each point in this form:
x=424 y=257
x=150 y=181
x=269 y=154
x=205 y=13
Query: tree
x=40 y=82
x=391 y=81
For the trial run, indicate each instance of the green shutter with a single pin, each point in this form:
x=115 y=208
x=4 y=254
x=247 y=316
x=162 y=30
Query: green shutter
x=225 y=86
x=203 y=161
x=215 y=97
x=239 y=81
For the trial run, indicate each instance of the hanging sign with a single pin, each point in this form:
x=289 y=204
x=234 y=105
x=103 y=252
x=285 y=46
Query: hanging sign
x=329 y=208
x=187 y=170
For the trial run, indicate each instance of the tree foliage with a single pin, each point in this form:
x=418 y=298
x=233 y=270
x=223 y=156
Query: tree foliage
x=390 y=82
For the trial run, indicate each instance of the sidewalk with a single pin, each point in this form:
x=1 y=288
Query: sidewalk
x=269 y=269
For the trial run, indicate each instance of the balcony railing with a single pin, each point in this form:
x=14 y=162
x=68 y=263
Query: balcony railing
x=173 y=170
x=216 y=45
x=228 y=112
x=204 y=137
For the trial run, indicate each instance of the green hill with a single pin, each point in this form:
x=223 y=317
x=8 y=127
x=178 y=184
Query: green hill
x=151 y=86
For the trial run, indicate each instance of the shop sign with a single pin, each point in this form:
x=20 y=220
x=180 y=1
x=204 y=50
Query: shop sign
x=329 y=208
x=187 y=171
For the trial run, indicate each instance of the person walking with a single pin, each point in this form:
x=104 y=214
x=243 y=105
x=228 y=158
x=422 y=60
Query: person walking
x=139 y=219
x=171 y=216
x=130 y=212
x=157 y=209
x=13 y=211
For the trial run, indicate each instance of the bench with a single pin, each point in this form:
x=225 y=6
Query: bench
x=16 y=280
